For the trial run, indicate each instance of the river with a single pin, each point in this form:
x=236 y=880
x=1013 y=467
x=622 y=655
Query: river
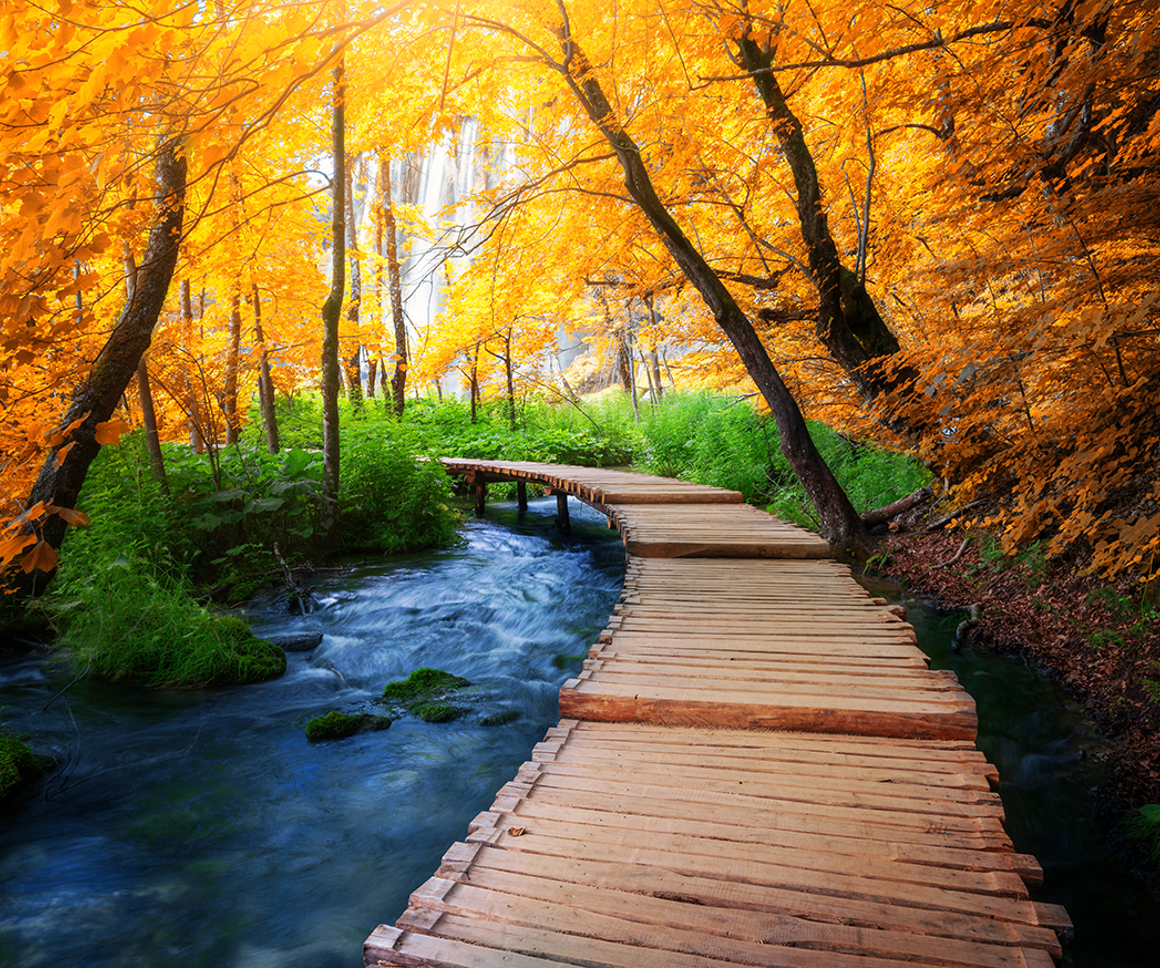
x=200 y=827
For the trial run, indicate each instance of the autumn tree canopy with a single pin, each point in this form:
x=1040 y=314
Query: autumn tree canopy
x=939 y=219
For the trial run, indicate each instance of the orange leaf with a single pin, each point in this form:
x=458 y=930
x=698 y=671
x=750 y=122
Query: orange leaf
x=63 y=453
x=43 y=557
x=61 y=435
x=110 y=431
x=70 y=515
x=13 y=546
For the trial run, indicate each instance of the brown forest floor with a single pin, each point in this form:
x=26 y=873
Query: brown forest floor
x=1094 y=637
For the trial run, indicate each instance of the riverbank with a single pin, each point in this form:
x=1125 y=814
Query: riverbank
x=1097 y=639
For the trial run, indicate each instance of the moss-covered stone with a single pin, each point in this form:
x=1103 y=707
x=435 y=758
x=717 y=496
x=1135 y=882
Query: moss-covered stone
x=336 y=725
x=433 y=712
x=18 y=764
x=421 y=684
x=500 y=718
x=420 y=694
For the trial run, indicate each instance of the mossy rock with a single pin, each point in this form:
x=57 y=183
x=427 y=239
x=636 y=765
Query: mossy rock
x=500 y=718
x=420 y=694
x=421 y=684
x=18 y=764
x=336 y=725
x=432 y=712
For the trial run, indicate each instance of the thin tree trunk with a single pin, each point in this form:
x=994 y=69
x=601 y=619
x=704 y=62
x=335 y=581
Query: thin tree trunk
x=265 y=380
x=838 y=519
x=353 y=366
x=475 y=384
x=332 y=310
x=149 y=419
x=95 y=399
x=399 y=379
x=233 y=351
x=192 y=398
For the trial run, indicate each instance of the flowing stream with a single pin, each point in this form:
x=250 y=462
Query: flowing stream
x=200 y=828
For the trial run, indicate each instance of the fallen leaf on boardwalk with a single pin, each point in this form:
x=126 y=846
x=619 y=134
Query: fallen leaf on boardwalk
x=517 y=831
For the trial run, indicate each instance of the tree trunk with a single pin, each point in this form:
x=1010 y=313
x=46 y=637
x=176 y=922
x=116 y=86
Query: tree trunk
x=372 y=373
x=475 y=385
x=265 y=380
x=848 y=324
x=399 y=379
x=192 y=397
x=233 y=351
x=331 y=311
x=149 y=419
x=354 y=361
x=507 y=369
x=838 y=519
x=95 y=399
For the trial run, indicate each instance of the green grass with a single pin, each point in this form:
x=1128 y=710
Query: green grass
x=125 y=624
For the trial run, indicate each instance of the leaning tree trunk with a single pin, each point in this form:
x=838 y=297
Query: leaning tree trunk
x=849 y=324
x=96 y=397
x=331 y=310
x=836 y=515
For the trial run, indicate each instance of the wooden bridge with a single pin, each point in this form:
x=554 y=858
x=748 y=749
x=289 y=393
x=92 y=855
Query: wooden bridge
x=756 y=767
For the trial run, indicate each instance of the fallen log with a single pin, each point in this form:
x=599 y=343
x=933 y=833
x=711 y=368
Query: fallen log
x=888 y=511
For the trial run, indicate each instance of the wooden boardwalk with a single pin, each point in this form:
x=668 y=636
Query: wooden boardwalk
x=756 y=767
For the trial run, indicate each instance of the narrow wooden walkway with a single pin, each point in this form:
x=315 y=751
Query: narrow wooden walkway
x=756 y=767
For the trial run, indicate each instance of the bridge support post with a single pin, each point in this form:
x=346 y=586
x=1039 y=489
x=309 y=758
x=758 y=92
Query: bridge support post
x=522 y=494
x=562 y=512
x=479 y=488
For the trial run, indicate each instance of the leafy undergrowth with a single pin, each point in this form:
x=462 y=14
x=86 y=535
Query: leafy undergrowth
x=1100 y=640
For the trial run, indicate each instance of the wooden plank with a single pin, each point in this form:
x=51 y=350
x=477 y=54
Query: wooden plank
x=746 y=936
x=846 y=790
x=634 y=878
x=695 y=798
x=874 y=867
x=816 y=713
x=520 y=813
x=783 y=817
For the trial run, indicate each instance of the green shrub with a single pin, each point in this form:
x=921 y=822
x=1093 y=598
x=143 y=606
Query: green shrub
x=336 y=725
x=18 y=764
x=126 y=624
x=389 y=501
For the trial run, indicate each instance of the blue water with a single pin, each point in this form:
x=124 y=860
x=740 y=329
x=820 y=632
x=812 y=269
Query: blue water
x=200 y=828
